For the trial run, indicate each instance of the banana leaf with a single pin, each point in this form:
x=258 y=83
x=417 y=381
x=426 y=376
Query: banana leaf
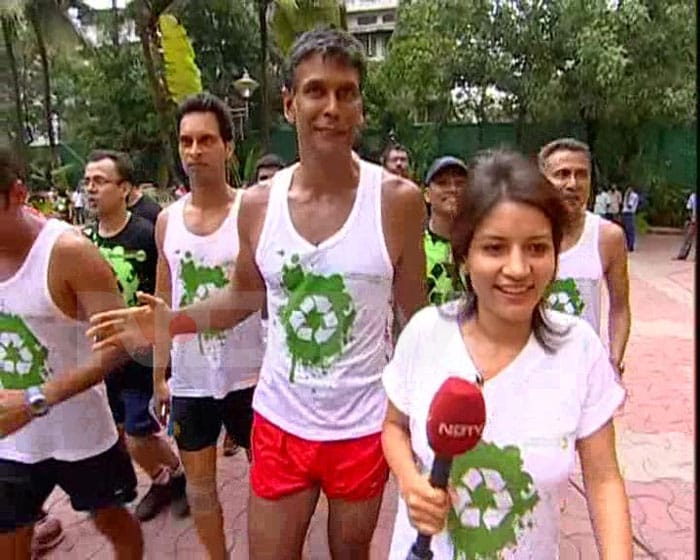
x=182 y=76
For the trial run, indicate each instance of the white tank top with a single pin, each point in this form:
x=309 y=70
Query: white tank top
x=210 y=364
x=38 y=342
x=327 y=303
x=578 y=287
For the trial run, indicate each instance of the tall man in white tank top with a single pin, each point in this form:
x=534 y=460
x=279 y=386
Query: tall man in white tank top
x=593 y=249
x=214 y=373
x=56 y=428
x=331 y=241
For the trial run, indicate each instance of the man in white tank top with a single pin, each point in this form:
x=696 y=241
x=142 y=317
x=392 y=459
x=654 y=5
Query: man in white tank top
x=213 y=374
x=55 y=424
x=330 y=242
x=593 y=249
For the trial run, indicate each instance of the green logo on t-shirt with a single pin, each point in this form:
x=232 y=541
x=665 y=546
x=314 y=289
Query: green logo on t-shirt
x=198 y=281
x=317 y=318
x=441 y=271
x=22 y=357
x=496 y=497
x=564 y=296
x=122 y=262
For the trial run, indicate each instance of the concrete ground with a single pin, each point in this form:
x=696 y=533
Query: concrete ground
x=655 y=444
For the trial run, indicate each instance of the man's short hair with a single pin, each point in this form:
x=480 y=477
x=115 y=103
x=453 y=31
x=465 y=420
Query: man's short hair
x=391 y=147
x=269 y=160
x=568 y=144
x=122 y=162
x=207 y=103
x=327 y=42
x=10 y=169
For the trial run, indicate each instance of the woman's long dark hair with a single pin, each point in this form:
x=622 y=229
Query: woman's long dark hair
x=505 y=175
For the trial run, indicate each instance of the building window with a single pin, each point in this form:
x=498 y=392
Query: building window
x=389 y=18
x=366 y=20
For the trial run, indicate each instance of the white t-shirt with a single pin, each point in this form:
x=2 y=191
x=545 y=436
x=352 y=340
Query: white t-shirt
x=630 y=202
x=511 y=485
x=602 y=202
x=77 y=199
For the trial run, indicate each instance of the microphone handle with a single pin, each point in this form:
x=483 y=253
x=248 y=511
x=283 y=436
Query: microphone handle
x=439 y=476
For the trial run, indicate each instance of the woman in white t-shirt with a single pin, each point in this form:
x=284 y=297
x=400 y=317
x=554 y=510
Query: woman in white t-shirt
x=549 y=388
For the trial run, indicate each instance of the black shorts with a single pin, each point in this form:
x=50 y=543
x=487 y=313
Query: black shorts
x=105 y=480
x=197 y=420
x=131 y=408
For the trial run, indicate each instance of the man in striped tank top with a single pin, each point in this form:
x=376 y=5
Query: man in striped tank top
x=593 y=249
x=331 y=242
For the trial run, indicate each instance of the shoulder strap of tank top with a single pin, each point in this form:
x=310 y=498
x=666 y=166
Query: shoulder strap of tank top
x=176 y=220
x=279 y=185
x=236 y=208
x=45 y=241
x=373 y=188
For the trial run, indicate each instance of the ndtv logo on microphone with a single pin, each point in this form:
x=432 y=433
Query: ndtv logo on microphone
x=460 y=430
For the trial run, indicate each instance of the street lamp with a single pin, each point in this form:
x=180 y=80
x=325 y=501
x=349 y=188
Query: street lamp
x=245 y=86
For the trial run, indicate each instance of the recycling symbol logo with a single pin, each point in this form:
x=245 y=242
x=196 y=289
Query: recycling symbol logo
x=317 y=318
x=22 y=357
x=564 y=296
x=495 y=500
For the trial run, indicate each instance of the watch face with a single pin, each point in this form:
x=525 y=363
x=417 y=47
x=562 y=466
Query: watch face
x=37 y=401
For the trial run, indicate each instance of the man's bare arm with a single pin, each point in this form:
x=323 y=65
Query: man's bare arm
x=93 y=287
x=161 y=350
x=409 y=270
x=617 y=280
x=245 y=294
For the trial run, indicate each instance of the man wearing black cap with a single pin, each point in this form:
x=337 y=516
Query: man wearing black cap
x=445 y=179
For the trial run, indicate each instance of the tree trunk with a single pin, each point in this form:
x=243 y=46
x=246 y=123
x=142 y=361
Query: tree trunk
x=46 y=75
x=115 y=24
x=591 y=126
x=8 y=35
x=481 y=117
x=145 y=29
x=264 y=93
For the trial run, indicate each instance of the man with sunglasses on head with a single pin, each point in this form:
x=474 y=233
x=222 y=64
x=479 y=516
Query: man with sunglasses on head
x=127 y=242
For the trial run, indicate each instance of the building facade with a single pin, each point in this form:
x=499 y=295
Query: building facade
x=372 y=22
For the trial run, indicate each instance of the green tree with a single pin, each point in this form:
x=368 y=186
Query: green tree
x=290 y=18
x=106 y=103
x=145 y=14
x=53 y=31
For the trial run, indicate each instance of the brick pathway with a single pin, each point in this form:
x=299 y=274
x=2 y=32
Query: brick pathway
x=655 y=444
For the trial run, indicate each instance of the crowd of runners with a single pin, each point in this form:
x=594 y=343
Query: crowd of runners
x=313 y=316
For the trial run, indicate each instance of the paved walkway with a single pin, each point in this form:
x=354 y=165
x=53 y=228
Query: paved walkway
x=655 y=444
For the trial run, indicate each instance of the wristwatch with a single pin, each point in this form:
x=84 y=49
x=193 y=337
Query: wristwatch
x=36 y=400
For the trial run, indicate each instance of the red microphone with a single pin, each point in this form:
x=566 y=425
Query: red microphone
x=456 y=420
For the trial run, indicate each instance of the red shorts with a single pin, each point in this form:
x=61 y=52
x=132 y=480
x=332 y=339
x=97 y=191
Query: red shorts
x=283 y=464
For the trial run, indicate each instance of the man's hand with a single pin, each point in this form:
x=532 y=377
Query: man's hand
x=14 y=411
x=132 y=329
x=161 y=396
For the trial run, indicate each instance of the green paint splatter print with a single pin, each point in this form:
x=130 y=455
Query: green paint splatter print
x=496 y=498
x=22 y=357
x=198 y=281
x=564 y=296
x=317 y=318
x=121 y=262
